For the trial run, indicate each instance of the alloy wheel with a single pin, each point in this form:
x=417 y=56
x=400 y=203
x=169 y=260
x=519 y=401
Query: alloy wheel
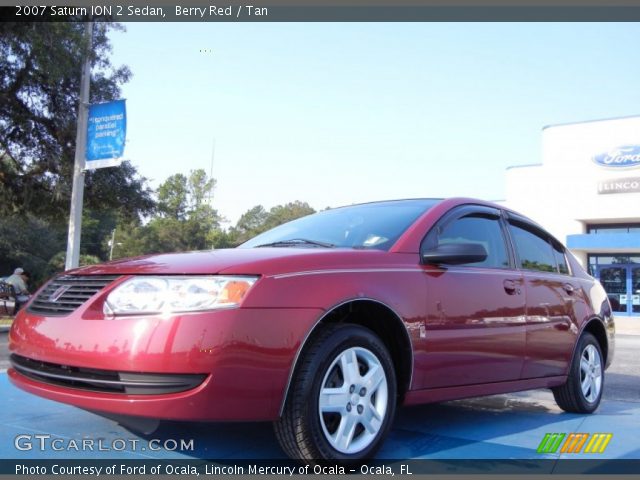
x=590 y=373
x=353 y=400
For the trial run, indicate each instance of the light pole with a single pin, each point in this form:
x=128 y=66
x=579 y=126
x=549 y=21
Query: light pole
x=112 y=243
x=72 y=259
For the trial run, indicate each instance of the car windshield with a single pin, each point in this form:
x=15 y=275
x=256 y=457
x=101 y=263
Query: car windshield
x=369 y=226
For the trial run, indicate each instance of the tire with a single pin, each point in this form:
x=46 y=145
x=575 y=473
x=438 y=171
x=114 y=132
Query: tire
x=585 y=382
x=327 y=381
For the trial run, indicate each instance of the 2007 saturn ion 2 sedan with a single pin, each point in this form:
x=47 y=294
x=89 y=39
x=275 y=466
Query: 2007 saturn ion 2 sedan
x=325 y=325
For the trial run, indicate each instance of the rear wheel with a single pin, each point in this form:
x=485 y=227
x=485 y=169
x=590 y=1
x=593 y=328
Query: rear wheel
x=583 y=390
x=342 y=398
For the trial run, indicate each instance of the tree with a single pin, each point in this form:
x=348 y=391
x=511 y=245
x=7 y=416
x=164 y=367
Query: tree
x=96 y=232
x=200 y=189
x=130 y=238
x=186 y=219
x=40 y=65
x=57 y=262
x=250 y=224
x=28 y=242
x=285 y=213
x=172 y=197
x=257 y=220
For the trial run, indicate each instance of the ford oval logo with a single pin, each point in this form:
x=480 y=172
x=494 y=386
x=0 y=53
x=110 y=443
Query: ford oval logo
x=626 y=156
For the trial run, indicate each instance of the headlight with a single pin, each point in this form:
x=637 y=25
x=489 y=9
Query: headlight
x=148 y=295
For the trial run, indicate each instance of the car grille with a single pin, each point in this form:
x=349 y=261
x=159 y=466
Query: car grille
x=105 y=381
x=55 y=301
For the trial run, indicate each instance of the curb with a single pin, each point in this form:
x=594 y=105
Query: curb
x=627 y=325
x=5 y=323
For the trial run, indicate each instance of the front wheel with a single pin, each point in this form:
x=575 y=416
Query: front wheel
x=342 y=399
x=583 y=390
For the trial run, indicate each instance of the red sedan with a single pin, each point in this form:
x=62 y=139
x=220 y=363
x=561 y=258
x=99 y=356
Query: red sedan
x=325 y=325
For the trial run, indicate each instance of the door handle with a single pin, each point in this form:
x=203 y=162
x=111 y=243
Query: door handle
x=568 y=288
x=510 y=287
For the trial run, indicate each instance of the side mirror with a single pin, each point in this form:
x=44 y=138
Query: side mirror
x=455 y=254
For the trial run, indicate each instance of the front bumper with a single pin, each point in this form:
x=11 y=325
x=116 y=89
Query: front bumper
x=245 y=357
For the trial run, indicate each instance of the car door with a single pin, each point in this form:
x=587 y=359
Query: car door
x=475 y=319
x=550 y=294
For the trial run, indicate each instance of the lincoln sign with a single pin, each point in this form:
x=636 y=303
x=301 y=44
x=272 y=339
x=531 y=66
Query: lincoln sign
x=619 y=185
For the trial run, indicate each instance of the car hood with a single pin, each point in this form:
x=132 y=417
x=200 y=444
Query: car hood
x=241 y=261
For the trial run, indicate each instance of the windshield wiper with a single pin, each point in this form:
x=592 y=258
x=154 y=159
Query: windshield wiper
x=295 y=242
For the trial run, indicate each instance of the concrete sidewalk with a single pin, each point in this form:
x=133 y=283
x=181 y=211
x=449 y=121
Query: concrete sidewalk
x=5 y=323
x=627 y=325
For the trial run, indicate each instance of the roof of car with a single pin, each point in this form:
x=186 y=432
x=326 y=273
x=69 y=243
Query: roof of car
x=390 y=202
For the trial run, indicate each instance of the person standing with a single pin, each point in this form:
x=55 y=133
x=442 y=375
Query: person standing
x=19 y=281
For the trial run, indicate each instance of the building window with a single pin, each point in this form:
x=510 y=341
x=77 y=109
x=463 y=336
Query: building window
x=609 y=259
x=596 y=260
x=605 y=229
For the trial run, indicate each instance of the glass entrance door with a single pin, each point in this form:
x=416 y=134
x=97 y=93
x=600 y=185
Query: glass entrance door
x=622 y=284
x=635 y=290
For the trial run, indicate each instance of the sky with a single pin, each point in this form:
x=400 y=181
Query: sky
x=341 y=113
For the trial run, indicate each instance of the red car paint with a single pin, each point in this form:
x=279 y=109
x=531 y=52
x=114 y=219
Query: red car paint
x=465 y=335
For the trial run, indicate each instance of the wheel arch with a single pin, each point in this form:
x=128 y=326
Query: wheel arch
x=596 y=327
x=379 y=318
x=572 y=396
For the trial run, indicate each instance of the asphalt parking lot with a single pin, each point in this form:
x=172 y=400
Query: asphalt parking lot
x=496 y=427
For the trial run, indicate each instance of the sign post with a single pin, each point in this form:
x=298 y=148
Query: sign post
x=75 y=218
x=100 y=141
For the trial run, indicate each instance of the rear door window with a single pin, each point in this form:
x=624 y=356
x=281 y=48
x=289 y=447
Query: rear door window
x=533 y=249
x=561 y=259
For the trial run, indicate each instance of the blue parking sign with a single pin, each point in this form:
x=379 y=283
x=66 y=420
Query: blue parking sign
x=106 y=133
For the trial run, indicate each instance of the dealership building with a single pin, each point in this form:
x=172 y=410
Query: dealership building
x=586 y=192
